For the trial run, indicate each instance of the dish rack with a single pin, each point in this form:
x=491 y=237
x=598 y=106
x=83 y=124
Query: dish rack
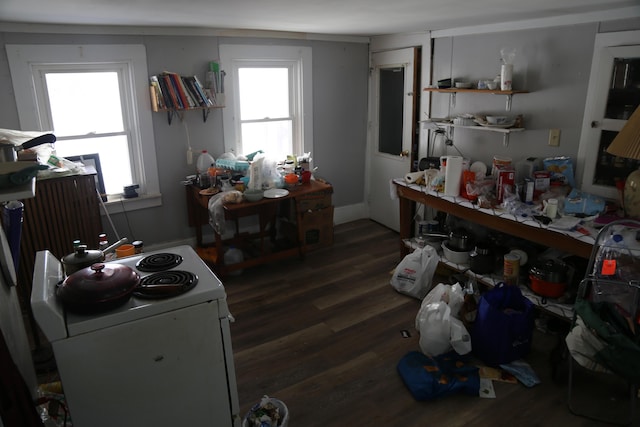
x=605 y=331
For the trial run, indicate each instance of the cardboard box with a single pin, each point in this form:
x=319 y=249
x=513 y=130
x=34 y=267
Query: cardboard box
x=313 y=201
x=316 y=228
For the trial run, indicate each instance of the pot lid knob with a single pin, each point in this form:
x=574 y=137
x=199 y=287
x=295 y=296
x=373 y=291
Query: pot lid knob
x=97 y=267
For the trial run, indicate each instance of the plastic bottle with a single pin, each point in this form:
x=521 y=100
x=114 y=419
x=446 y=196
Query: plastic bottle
x=609 y=256
x=204 y=162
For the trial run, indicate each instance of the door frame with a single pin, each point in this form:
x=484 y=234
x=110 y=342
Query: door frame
x=423 y=41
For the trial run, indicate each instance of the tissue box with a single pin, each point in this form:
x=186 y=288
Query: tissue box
x=579 y=202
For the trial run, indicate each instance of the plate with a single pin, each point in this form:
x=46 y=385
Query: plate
x=275 y=193
x=209 y=191
x=502 y=126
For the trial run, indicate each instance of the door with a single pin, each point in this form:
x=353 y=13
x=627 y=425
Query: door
x=614 y=93
x=393 y=129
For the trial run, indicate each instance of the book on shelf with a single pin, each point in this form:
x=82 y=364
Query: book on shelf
x=157 y=97
x=168 y=85
x=174 y=92
x=176 y=81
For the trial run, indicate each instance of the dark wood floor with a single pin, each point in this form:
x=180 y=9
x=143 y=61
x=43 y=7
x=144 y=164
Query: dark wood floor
x=323 y=334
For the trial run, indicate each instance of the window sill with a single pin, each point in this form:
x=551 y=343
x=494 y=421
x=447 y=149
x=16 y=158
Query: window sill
x=118 y=204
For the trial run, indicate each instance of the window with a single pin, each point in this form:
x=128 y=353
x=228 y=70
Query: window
x=91 y=98
x=268 y=99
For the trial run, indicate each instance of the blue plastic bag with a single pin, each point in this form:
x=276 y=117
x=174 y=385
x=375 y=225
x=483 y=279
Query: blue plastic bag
x=429 y=378
x=504 y=325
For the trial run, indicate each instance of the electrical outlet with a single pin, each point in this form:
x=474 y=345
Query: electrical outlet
x=554 y=137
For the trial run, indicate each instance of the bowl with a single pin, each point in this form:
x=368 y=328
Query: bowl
x=253 y=195
x=498 y=120
x=456 y=257
x=463 y=85
x=464 y=121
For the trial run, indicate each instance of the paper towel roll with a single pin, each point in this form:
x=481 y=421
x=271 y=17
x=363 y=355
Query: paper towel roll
x=412 y=177
x=453 y=176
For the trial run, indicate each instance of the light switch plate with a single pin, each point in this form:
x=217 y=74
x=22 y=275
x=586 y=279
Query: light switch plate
x=554 y=137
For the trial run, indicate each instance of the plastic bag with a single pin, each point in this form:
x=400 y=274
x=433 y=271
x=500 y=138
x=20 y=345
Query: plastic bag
x=429 y=378
x=435 y=329
x=438 y=323
x=452 y=295
x=414 y=275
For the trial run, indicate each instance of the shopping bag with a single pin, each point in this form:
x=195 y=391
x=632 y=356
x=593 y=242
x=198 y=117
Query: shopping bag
x=414 y=275
x=429 y=378
x=435 y=328
x=504 y=325
x=438 y=323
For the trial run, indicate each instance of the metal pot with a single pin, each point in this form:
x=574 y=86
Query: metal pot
x=482 y=259
x=460 y=240
x=548 y=278
x=83 y=257
x=97 y=288
x=9 y=152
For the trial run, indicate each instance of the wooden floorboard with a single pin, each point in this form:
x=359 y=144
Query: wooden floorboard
x=323 y=334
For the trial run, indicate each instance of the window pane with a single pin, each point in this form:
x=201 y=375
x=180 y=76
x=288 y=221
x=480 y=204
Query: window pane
x=264 y=93
x=114 y=158
x=274 y=138
x=94 y=98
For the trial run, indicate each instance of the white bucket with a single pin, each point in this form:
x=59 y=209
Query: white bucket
x=282 y=409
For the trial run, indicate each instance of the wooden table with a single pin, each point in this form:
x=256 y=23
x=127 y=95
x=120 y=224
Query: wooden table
x=266 y=210
x=526 y=229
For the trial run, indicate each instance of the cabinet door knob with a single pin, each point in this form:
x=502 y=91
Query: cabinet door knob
x=404 y=153
x=595 y=124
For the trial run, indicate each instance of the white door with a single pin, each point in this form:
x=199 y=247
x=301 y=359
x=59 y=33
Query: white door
x=611 y=98
x=393 y=123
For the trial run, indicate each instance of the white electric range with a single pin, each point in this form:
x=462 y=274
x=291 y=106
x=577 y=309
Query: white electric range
x=150 y=361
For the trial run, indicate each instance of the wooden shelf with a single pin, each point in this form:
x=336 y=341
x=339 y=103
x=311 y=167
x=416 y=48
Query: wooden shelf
x=453 y=91
x=493 y=92
x=180 y=112
x=504 y=131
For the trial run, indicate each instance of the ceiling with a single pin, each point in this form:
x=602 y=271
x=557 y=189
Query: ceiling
x=336 y=17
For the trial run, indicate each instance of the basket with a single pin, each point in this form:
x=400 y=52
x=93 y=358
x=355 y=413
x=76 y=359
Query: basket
x=282 y=409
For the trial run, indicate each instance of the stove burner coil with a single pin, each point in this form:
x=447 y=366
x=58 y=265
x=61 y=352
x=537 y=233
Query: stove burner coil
x=159 y=262
x=165 y=284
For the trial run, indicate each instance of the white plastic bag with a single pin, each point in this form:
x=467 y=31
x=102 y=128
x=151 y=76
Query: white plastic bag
x=459 y=337
x=435 y=326
x=438 y=323
x=414 y=275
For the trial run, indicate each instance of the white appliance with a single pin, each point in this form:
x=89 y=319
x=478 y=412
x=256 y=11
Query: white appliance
x=149 y=362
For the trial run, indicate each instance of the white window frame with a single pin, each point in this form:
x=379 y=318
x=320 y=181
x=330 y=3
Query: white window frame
x=28 y=63
x=298 y=59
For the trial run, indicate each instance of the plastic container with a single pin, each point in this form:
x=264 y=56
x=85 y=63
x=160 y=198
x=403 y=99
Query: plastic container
x=608 y=256
x=204 y=162
x=233 y=255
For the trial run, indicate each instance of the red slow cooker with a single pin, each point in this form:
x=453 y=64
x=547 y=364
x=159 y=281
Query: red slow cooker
x=548 y=278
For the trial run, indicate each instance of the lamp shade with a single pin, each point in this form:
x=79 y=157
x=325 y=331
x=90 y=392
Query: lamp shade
x=627 y=143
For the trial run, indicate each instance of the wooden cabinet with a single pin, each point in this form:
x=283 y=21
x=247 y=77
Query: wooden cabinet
x=304 y=217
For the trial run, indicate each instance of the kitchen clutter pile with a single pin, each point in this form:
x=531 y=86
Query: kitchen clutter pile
x=246 y=178
x=544 y=189
x=468 y=340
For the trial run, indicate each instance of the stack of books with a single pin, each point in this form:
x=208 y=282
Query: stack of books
x=170 y=91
